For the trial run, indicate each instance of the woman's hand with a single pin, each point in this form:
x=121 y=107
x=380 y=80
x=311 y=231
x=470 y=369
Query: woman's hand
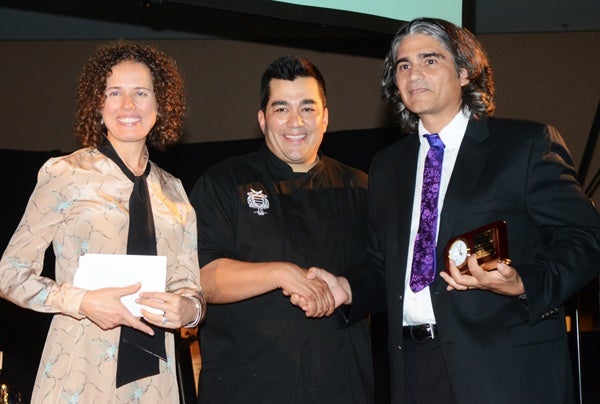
x=178 y=310
x=104 y=308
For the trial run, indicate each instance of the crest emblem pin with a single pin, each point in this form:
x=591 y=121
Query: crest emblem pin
x=259 y=201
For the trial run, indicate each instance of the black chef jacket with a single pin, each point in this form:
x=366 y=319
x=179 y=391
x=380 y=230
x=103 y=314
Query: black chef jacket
x=254 y=208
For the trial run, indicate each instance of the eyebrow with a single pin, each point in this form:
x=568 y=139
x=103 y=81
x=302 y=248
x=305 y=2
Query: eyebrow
x=431 y=54
x=135 y=88
x=277 y=103
x=424 y=55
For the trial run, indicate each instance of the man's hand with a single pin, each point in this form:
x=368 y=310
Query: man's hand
x=505 y=280
x=310 y=293
x=338 y=286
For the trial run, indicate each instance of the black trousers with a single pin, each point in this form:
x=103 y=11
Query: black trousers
x=426 y=378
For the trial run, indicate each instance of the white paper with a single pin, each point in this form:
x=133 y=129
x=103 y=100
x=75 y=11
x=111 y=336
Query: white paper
x=98 y=271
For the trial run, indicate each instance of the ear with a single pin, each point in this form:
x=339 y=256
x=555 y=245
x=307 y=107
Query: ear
x=463 y=76
x=325 y=119
x=261 y=120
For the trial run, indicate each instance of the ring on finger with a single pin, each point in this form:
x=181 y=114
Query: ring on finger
x=164 y=320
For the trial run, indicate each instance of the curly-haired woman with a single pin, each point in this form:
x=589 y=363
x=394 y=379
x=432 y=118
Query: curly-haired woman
x=109 y=198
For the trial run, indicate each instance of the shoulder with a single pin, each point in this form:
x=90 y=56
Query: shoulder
x=390 y=155
x=533 y=138
x=225 y=174
x=80 y=159
x=161 y=173
x=511 y=128
x=165 y=178
x=520 y=131
x=347 y=172
x=503 y=123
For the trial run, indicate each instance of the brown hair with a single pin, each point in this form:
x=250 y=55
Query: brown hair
x=168 y=89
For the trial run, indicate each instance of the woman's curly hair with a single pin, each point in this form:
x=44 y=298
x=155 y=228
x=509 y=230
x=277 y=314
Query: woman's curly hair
x=168 y=90
x=468 y=54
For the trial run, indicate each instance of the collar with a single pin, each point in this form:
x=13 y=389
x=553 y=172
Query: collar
x=281 y=170
x=453 y=133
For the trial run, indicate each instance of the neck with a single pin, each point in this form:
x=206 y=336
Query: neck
x=134 y=155
x=304 y=168
x=435 y=123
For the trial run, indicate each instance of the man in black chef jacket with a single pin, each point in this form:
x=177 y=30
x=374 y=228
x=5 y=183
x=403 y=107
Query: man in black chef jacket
x=264 y=218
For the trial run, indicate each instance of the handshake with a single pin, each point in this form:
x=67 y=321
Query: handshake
x=317 y=292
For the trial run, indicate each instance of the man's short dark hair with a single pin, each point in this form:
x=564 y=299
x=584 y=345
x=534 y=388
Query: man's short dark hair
x=290 y=68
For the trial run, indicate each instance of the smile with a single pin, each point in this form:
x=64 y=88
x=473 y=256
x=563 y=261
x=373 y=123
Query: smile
x=295 y=137
x=128 y=120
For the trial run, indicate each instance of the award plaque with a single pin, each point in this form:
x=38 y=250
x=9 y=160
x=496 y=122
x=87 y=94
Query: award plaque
x=488 y=243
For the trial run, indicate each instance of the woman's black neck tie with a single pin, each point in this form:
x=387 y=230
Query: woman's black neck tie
x=139 y=352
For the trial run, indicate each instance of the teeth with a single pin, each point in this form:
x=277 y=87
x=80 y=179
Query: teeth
x=129 y=120
x=296 y=137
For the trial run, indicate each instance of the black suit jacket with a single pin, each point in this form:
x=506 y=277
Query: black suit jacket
x=498 y=349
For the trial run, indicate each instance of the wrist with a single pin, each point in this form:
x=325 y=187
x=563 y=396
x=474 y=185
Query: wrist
x=345 y=285
x=198 y=304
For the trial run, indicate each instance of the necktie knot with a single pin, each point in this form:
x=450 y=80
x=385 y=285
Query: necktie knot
x=434 y=141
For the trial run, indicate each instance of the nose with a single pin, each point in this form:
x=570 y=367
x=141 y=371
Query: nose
x=295 y=120
x=415 y=72
x=128 y=102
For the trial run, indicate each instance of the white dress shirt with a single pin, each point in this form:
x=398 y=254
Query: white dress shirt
x=417 y=306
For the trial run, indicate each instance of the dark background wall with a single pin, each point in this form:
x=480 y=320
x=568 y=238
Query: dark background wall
x=545 y=57
x=548 y=77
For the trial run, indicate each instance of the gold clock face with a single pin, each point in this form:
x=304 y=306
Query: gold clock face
x=458 y=252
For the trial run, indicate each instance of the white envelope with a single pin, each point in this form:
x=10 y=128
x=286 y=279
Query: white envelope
x=98 y=271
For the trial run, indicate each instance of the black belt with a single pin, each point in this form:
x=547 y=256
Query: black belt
x=421 y=332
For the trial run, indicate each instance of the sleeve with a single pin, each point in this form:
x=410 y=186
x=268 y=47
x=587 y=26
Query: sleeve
x=569 y=224
x=185 y=276
x=23 y=260
x=215 y=211
x=366 y=279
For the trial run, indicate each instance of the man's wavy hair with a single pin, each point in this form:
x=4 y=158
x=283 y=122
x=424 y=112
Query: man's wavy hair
x=468 y=54
x=168 y=90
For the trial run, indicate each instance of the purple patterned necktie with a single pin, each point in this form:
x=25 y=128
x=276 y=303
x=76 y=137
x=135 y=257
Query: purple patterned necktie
x=423 y=265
